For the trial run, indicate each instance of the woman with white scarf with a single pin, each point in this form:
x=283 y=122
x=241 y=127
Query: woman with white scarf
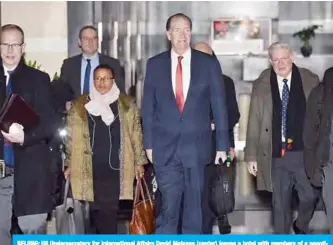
x=104 y=149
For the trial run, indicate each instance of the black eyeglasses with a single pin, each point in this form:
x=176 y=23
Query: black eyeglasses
x=14 y=45
x=102 y=79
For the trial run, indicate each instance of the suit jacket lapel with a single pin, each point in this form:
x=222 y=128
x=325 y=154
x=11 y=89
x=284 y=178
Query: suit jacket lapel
x=168 y=76
x=77 y=74
x=101 y=59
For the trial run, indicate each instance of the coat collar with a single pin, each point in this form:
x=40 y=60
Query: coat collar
x=264 y=86
x=124 y=101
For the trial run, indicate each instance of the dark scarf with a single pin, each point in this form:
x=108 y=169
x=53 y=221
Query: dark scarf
x=295 y=113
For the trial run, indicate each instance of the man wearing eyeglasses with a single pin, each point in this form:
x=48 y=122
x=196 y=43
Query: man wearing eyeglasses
x=274 y=141
x=25 y=153
x=77 y=71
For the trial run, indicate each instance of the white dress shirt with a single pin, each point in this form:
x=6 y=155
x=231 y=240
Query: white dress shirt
x=280 y=85
x=186 y=69
x=6 y=73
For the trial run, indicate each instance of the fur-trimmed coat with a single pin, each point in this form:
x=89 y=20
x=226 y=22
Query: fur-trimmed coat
x=79 y=152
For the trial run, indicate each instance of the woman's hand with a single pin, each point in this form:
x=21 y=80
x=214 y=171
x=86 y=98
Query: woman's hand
x=67 y=172
x=139 y=171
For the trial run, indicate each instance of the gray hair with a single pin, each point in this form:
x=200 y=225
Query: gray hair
x=278 y=45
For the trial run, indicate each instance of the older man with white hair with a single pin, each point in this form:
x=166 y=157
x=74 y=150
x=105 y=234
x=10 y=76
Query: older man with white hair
x=274 y=142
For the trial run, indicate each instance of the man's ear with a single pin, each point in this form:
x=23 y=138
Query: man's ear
x=168 y=35
x=23 y=48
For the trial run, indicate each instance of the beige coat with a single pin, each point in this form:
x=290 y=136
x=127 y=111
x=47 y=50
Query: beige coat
x=259 y=129
x=79 y=153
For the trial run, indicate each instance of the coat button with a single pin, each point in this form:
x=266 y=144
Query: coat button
x=87 y=152
x=266 y=129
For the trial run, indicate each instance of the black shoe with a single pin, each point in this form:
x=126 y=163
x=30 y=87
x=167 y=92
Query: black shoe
x=15 y=228
x=223 y=224
x=297 y=230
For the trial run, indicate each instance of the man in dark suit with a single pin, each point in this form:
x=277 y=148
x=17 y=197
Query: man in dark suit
x=25 y=151
x=318 y=141
x=233 y=117
x=77 y=71
x=181 y=86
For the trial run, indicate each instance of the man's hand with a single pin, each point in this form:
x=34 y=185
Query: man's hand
x=220 y=155
x=232 y=153
x=252 y=168
x=15 y=135
x=139 y=171
x=149 y=153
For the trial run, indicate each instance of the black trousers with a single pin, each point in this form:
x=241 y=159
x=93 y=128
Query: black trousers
x=103 y=218
x=288 y=173
x=104 y=209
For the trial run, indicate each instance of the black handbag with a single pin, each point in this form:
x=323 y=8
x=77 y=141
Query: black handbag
x=221 y=188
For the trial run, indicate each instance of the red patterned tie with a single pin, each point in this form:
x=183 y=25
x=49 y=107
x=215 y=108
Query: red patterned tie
x=179 y=85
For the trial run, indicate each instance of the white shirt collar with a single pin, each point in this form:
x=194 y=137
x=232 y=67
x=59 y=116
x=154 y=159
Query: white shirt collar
x=186 y=55
x=6 y=69
x=94 y=56
x=281 y=78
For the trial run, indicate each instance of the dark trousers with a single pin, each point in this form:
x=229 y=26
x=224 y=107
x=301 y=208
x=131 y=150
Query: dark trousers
x=177 y=183
x=158 y=206
x=208 y=216
x=328 y=194
x=288 y=173
x=103 y=218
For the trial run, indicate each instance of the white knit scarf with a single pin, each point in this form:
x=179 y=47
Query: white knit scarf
x=99 y=104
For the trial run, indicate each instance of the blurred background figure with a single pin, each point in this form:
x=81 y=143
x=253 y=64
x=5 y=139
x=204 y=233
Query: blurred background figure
x=318 y=139
x=233 y=117
x=77 y=71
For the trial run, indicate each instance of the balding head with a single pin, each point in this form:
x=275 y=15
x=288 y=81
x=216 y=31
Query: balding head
x=203 y=47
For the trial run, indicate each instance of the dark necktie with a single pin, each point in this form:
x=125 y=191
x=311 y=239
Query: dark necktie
x=179 y=85
x=8 y=147
x=285 y=98
x=86 y=85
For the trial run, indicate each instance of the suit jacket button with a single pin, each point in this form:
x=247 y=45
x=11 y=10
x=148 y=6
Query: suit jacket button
x=266 y=129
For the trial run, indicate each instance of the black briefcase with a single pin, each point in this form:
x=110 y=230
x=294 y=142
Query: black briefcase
x=221 y=188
